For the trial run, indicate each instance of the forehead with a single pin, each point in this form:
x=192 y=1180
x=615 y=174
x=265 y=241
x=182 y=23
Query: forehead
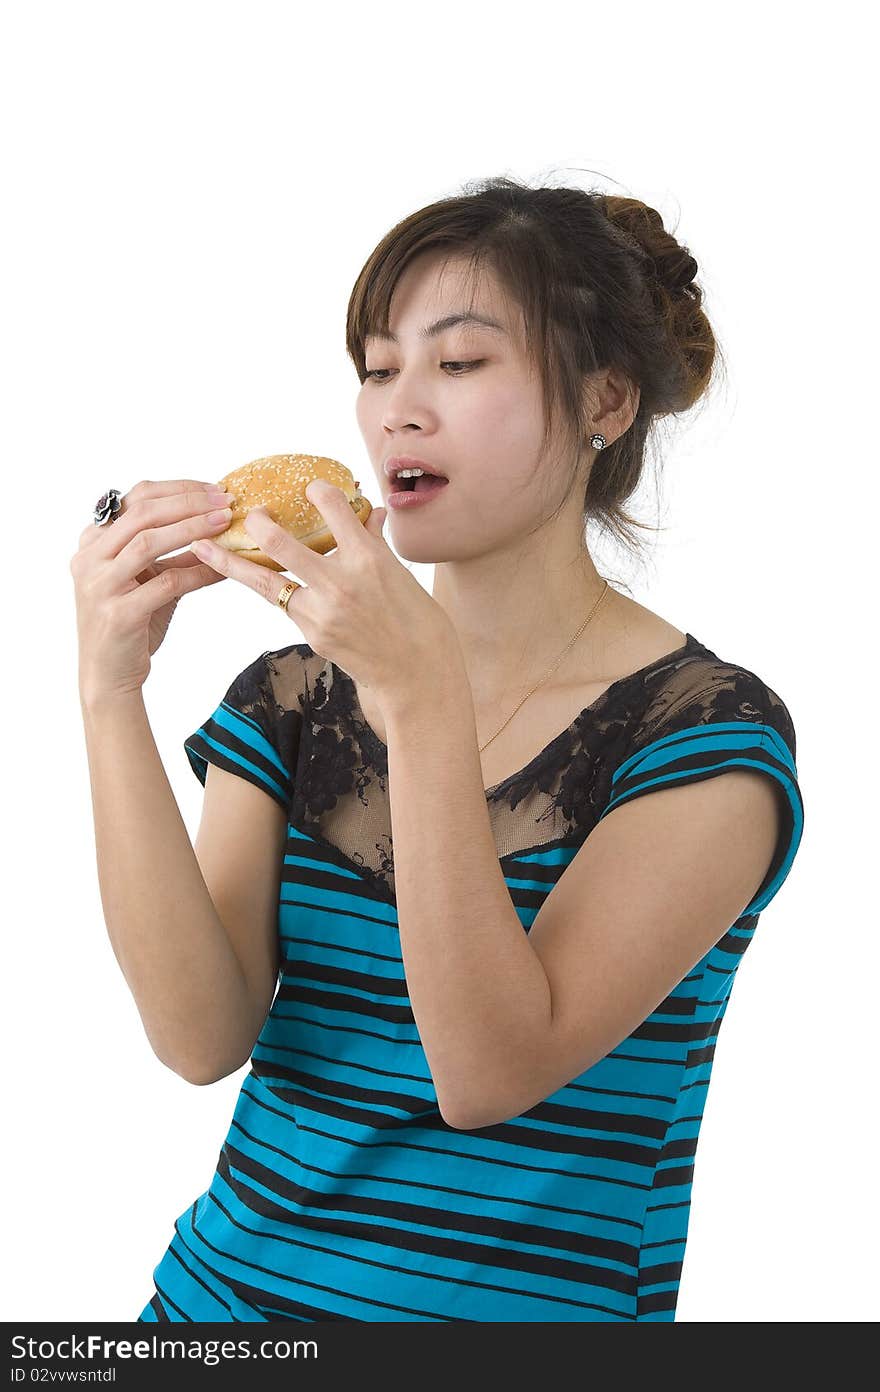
x=433 y=295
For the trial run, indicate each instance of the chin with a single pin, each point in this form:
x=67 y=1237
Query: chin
x=425 y=552
x=431 y=550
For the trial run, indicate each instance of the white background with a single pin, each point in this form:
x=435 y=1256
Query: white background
x=191 y=190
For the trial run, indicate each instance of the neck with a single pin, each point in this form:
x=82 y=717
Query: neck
x=514 y=615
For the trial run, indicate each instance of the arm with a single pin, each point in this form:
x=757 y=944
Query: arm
x=506 y=1018
x=200 y=1010
x=478 y=990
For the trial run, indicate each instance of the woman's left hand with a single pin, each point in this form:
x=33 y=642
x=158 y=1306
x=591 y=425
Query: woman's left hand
x=357 y=606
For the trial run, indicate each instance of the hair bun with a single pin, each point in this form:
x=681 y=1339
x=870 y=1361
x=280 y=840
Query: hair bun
x=278 y=482
x=670 y=263
x=683 y=275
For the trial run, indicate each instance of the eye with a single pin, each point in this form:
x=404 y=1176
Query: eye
x=373 y=372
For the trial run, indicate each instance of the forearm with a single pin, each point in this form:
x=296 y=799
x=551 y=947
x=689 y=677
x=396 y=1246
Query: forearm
x=169 y=942
x=478 y=991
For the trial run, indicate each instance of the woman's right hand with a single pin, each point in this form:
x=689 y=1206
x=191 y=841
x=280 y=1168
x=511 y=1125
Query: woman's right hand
x=125 y=595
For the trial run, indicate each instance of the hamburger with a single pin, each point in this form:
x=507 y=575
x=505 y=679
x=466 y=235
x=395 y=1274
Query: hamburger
x=278 y=482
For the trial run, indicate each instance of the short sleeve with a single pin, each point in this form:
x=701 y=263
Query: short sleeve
x=251 y=733
x=734 y=722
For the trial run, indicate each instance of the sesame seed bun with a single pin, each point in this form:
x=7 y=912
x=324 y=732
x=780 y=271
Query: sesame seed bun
x=278 y=482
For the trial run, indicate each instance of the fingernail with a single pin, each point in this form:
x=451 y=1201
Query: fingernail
x=216 y=495
x=223 y=515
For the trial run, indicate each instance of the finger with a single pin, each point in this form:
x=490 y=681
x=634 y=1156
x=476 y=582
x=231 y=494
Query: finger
x=149 y=539
x=209 y=577
x=185 y=560
x=376 y=521
x=189 y=561
x=142 y=602
x=303 y=563
x=153 y=527
x=335 y=509
x=261 y=579
x=182 y=558
x=147 y=488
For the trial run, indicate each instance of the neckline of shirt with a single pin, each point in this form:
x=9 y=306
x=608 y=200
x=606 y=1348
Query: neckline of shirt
x=689 y=646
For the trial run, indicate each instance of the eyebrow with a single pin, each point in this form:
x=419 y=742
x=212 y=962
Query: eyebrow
x=450 y=321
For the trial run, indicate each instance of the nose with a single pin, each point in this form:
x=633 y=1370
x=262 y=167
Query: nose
x=400 y=408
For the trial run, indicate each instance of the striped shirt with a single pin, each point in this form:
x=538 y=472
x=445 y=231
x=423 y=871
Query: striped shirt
x=340 y=1192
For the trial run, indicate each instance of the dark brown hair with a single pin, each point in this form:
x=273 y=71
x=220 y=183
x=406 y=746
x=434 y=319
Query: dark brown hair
x=600 y=282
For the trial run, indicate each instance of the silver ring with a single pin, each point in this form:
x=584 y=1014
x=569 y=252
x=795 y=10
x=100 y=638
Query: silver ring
x=108 y=507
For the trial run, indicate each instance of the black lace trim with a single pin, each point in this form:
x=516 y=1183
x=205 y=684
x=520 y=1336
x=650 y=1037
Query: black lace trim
x=572 y=771
x=564 y=788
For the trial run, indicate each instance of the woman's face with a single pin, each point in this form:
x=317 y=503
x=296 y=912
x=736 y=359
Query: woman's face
x=481 y=425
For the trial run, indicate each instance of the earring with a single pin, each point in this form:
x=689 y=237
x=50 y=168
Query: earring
x=598 y=441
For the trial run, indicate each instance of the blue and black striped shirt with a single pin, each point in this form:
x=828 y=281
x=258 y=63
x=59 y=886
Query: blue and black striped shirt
x=340 y=1192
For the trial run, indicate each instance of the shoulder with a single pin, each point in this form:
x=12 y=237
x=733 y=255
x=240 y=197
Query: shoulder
x=294 y=656
x=290 y=671
x=708 y=689
x=277 y=682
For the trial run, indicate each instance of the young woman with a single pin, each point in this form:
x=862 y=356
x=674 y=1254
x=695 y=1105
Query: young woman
x=475 y=869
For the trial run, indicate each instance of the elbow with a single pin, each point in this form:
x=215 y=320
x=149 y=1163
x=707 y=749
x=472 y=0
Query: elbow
x=473 y=1122
x=198 y=1075
x=453 y=1113
x=475 y=1111
x=202 y=1079
x=475 y=1116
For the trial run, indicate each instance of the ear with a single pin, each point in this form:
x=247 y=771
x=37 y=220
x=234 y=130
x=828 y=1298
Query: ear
x=376 y=521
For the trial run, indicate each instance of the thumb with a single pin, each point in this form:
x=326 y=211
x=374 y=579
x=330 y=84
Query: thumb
x=376 y=521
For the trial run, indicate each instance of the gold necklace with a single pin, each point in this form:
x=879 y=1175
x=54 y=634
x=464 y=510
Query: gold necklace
x=552 y=669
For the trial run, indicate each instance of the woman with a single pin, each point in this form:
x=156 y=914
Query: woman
x=447 y=1117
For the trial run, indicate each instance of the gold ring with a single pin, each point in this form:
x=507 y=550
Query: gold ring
x=284 y=594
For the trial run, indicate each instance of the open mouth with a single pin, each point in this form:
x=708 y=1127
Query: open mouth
x=426 y=483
